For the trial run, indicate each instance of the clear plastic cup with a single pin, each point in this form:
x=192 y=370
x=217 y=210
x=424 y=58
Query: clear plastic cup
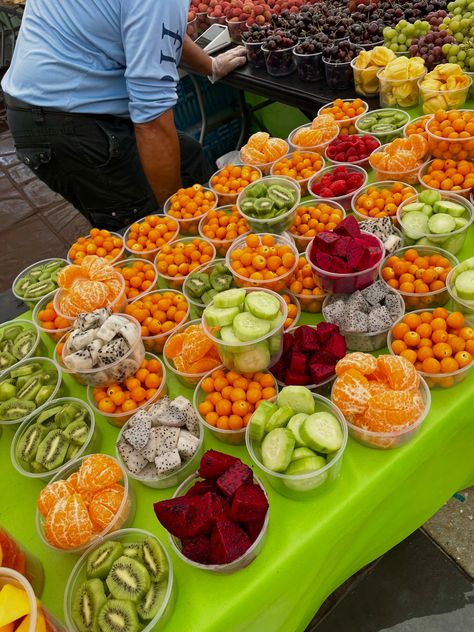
x=393 y=92
x=433 y=100
x=410 y=176
x=436 y=298
x=238 y=357
x=464 y=306
x=192 y=28
x=303 y=182
x=339 y=75
x=255 y=55
x=236 y=29
x=202 y=22
x=303 y=486
x=278 y=283
x=149 y=255
x=47 y=365
x=363 y=162
x=127 y=263
x=384 y=184
x=195 y=305
x=386 y=136
x=452 y=148
x=26 y=326
x=276 y=224
x=294 y=300
x=224 y=199
x=301 y=241
x=279 y=63
x=176 y=282
x=453 y=241
x=465 y=193
x=424 y=118
x=343 y=200
x=26 y=564
x=119 y=257
x=397 y=438
x=365 y=341
x=107 y=374
x=221 y=245
x=309 y=67
x=119 y=419
x=117 y=305
x=320 y=149
x=349 y=282
x=78 y=576
x=346 y=126
x=264 y=167
x=189 y=226
x=368 y=45
x=311 y=303
x=216 y=19
x=366 y=81
x=54 y=334
x=90 y=445
x=10 y=577
x=30 y=303
x=221 y=569
x=122 y=519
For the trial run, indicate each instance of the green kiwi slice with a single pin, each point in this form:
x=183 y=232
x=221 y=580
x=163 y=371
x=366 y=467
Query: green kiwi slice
x=87 y=604
x=128 y=579
x=119 y=616
x=100 y=561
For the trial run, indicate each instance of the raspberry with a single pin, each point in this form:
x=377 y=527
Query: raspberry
x=339 y=187
x=326 y=192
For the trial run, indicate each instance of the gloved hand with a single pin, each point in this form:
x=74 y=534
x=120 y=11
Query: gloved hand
x=226 y=62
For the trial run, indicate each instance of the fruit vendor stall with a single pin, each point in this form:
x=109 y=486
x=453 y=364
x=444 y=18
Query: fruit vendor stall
x=214 y=419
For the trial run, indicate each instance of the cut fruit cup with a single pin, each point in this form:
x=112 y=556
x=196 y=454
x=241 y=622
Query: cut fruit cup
x=409 y=176
x=225 y=199
x=266 y=166
x=241 y=562
x=397 y=438
x=196 y=306
x=127 y=263
x=343 y=200
x=320 y=149
x=271 y=344
x=413 y=300
x=176 y=282
x=122 y=519
x=54 y=334
x=453 y=241
x=339 y=75
x=78 y=577
x=89 y=446
x=187 y=379
x=403 y=93
x=15 y=352
x=368 y=341
x=302 y=241
x=149 y=255
x=303 y=184
x=450 y=148
x=462 y=305
x=419 y=119
x=349 y=282
x=366 y=81
x=236 y=29
x=231 y=437
x=107 y=374
x=117 y=305
x=31 y=303
x=189 y=226
x=363 y=162
x=346 y=126
x=202 y=22
x=52 y=373
x=120 y=419
x=279 y=63
x=465 y=193
x=385 y=136
x=303 y=486
x=277 y=284
x=436 y=380
x=279 y=223
x=121 y=255
x=383 y=184
x=309 y=67
x=294 y=300
x=255 y=56
x=451 y=99
x=221 y=245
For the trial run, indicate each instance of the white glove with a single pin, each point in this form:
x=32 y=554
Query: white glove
x=226 y=62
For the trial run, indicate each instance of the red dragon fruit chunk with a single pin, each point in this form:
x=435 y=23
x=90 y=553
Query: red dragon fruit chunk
x=228 y=542
x=237 y=475
x=324 y=261
x=214 y=464
x=201 y=487
x=325 y=240
x=325 y=330
x=321 y=372
x=341 y=245
x=287 y=343
x=177 y=514
x=197 y=549
x=307 y=338
x=254 y=528
x=336 y=346
x=208 y=510
x=297 y=379
x=297 y=362
x=348 y=227
x=249 y=503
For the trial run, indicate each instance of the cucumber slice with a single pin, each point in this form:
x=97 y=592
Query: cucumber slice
x=441 y=223
x=299 y=398
x=322 y=432
x=305 y=466
x=464 y=285
x=460 y=222
x=451 y=208
x=427 y=210
x=248 y=327
x=232 y=343
x=259 y=420
x=254 y=358
x=429 y=197
x=274 y=343
x=217 y=317
x=302 y=453
x=415 y=224
x=414 y=206
x=229 y=298
x=277 y=449
x=262 y=305
x=294 y=425
x=279 y=418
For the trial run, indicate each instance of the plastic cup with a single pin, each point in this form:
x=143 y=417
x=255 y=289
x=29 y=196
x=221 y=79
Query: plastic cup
x=453 y=241
x=30 y=303
x=309 y=67
x=195 y=305
x=192 y=28
x=278 y=283
x=117 y=305
x=26 y=325
x=176 y=282
x=410 y=176
x=364 y=162
x=255 y=55
x=78 y=576
x=221 y=569
x=302 y=183
x=189 y=226
x=155 y=343
x=122 y=518
x=127 y=263
x=10 y=577
x=418 y=119
x=450 y=148
x=343 y=200
x=280 y=63
x=301 y=241
x=349 y=282
x=384 y=184
x=276 y=224
x=54 y=334
x=90 y=445
x=236 y=29
x=397 y=438
x=431 y=100
x=303 y=486
x=119 y=419
x=46 y=364
x=119 y=257
x=116 y=371
x=346 y=126
x=365 y=341
x=461 y=305
x=149 y=255
x=465 y=193
x=224 y=199
x=216 y=19
x=221 y=245
x=392 y=92
x=315 y=148
x=436 y=298
x=32 y=567
x=366 y=82
x=339 y=75
x=383 y=137
x=202 y=22
x=368 y=45
x=294 y=300
x=236 y=356
x=264 y=167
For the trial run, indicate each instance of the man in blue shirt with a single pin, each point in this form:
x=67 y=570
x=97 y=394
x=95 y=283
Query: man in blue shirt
x=89 y=98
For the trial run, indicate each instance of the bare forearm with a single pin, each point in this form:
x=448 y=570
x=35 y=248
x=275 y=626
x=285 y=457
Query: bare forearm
x=195 y=58
x=158 y=148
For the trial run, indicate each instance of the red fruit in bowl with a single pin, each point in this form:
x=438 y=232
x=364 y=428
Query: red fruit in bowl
x=326 y=192
x=339 y=187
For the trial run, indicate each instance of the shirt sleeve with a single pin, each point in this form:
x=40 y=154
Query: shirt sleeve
x=152 y=33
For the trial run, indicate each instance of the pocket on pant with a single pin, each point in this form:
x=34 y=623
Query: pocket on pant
x=96 y=145
x=34 y=155
x=116 y=219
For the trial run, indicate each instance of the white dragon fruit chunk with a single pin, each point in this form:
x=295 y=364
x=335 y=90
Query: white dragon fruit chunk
x=334 y=311
x=375 y=293
x=156 y=410
x=168 y=462
x=187 y=444
x=150 y=449
x=111 y=327
x=175 y=414
x=93 y=348
x=392 y=303
x=79 y=361
x=140 y=417
x=80 y=339
x=112 y=351
x=354 y=322
x=90 y=320
x=356 y=301
x=379 y=319
x=137 y=436
x=133 y=460
x=130 y=333
x=166 y=439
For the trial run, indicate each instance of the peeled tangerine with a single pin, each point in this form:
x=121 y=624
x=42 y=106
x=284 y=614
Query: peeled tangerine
x=444 y=88
x=261 y=149
x=401 y=155
x=366 y=66
x=399 y=82
x=322 y=130
x=380 y=395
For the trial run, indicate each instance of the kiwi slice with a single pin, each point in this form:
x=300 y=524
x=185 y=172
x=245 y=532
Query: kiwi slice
x=46 y=416
x=15 y=408
x=53 y=449
x=11 y=332
x=128 y=579
x=87 y=604
x=119 y=616
x=68 y=413
x=133 y=550
x=154 y=559
x=100 y=561
x=26 y=369
x=44 y=394
x=77 y=431
x=27 y=446
x=150 y=603
x=23 y=344
x=37 y=468
x=72 y=450
x=30 y=389
x=7 y=391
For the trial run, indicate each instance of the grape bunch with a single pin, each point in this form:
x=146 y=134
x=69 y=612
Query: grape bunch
x=435 y=18
x=400 y=37
x=430 y=47
x=459 y=26
x=370 y=33
x=312 y=45
x=342 y=52
x=461 y=53
x=256 y=34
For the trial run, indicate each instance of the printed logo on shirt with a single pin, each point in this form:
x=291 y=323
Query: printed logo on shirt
x=169 y=56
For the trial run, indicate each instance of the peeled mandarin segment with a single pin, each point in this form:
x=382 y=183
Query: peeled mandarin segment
x=417 y=144
x=195 y=347
x=180 y=364
x=93 y=294
x=113 y=288
x=175 y=345
x=53 y=493
x=252 y=156
x=68 y=524
x=97 y=472
x=400 y=373
x=394 y=146
x=351 y=393
x=98 y=269
x=105 y=505
x=258 y=140
x=69 y=274
x=392 y=410
x=73 y=480
x=14 y=604
x=363 y=362
x=203 y=365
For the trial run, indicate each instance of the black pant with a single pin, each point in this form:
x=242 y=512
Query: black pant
x=93 y=162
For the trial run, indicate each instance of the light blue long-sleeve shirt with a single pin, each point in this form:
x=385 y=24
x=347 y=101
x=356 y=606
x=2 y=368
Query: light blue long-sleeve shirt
x=114 y=57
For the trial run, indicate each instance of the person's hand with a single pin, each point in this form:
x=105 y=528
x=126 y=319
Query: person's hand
x=226 y=62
